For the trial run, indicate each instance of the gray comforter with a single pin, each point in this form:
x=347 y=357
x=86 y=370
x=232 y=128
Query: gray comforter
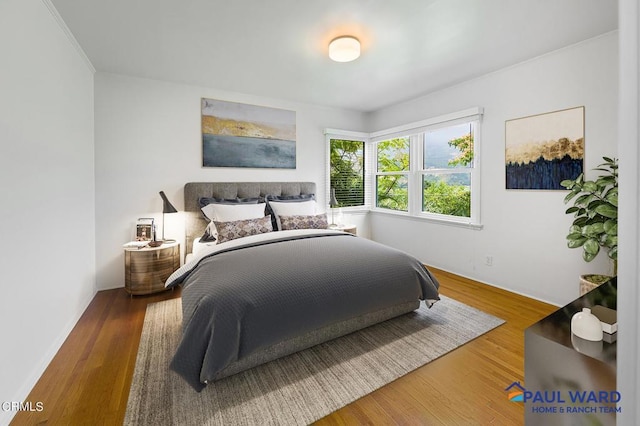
x=255 y=294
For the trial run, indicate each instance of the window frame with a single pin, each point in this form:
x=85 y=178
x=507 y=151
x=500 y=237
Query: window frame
x=415 y=132
x=376 y=173
x=356 y=137
x=416 y=171
x=473 y=170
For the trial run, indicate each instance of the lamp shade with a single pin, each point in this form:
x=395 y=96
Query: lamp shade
x=344 y=49
x=167 y=207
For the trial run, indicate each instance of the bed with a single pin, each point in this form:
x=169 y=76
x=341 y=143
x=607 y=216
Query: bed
x=250 y=300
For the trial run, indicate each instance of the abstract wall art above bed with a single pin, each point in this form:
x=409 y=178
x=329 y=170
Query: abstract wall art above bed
x=242 y=135
x=543 y=150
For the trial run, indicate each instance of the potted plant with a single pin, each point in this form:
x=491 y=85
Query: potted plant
x=595 y=227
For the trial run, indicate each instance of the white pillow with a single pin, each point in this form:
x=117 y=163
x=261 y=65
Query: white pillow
x=233 y=212
x=230 y=213
x=284 y=208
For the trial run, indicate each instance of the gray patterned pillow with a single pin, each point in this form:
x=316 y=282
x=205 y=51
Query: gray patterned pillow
x=318 y=221
x=228 y=231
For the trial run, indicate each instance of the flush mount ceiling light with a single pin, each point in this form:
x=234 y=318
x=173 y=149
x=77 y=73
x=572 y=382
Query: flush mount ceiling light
x=344 y=49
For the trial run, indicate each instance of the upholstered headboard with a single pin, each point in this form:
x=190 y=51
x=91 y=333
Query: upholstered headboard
x=195 y=223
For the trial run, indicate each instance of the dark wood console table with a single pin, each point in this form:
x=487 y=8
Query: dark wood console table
x=560 y=365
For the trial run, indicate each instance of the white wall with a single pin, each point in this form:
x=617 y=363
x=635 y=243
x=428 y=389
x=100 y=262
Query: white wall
x=148 y=139
x=524 y=231
x=47 y=192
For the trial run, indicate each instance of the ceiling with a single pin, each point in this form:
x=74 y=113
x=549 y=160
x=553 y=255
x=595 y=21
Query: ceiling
x=278 y=48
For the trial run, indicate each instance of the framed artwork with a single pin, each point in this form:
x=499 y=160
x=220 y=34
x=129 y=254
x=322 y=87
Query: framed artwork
x=242 y=135
x=543 y=150
x=144 y=229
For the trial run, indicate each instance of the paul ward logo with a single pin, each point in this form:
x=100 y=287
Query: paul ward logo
x=516 y=392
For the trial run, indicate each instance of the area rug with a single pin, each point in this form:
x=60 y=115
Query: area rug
x=299 y=388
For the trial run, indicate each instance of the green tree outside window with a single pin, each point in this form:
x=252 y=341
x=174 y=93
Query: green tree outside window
x=347 y=171
x=392 y=190
x=444 y=193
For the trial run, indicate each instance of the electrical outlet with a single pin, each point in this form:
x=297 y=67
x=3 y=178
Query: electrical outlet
x=488 y=260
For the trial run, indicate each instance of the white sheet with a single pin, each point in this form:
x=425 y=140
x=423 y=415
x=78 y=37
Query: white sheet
x=196 y=248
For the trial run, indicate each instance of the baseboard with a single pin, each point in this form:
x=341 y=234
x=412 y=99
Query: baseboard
x=493 y=285
x=111 y=287
x=27 y=387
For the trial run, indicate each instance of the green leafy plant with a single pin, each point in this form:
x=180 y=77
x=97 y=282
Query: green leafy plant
x=595 y=208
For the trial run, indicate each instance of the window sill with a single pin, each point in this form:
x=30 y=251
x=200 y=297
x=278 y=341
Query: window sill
x=448 y=222
x=351 y=210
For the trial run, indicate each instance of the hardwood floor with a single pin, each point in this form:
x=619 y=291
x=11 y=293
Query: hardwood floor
x=88 y=380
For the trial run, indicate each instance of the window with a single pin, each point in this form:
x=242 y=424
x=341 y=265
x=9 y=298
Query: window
x=447 y=165
x=392 y=174
x=347 y=171
x=429 y=169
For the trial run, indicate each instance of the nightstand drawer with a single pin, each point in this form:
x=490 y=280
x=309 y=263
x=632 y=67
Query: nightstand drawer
x=147 y=283
x=146 y=263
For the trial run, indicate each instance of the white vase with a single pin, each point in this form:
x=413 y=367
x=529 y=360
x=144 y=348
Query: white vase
x=586 y=325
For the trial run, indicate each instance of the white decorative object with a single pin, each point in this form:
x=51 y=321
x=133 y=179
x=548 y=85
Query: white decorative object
x=608 y=318
x=586 y=325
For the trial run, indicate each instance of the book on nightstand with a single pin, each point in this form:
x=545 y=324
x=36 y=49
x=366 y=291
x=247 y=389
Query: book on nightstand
x=608 y=318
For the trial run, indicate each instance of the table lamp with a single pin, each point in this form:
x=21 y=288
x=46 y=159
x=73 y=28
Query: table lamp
x=167 y=207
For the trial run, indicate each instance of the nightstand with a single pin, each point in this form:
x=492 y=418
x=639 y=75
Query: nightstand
x=351 y=229
x=146 y=269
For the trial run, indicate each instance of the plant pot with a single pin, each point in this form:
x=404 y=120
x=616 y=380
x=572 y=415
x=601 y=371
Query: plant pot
x=590 y=281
